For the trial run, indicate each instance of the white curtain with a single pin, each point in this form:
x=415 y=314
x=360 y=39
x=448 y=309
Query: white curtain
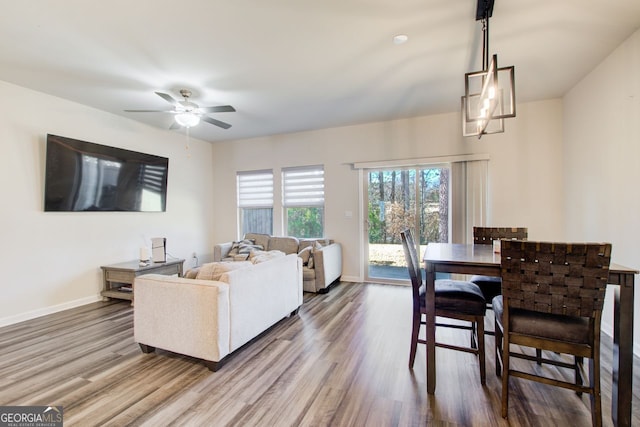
x=469 y=190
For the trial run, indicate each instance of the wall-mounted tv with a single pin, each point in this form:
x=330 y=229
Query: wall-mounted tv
x=83 y=176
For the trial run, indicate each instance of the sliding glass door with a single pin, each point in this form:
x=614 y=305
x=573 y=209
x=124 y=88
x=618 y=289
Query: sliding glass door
x=417 y=198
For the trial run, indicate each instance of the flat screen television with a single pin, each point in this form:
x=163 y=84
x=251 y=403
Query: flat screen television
x=83 y=176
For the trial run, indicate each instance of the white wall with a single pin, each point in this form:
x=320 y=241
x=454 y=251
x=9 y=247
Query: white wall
x=525 y=170
x=51 y=261
x=602 y=160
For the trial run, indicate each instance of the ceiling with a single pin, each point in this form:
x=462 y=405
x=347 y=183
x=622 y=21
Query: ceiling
x=295 y=65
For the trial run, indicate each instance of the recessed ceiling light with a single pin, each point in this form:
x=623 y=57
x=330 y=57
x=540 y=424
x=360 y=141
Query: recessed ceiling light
x=400 y=39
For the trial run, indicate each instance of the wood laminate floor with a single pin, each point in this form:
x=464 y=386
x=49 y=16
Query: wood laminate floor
x=341 y=362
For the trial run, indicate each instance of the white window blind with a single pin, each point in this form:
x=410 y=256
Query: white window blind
x=303 y=186
x=255 y=189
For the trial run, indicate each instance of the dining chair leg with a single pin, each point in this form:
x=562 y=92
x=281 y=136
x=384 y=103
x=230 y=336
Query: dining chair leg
x=498 y=348
x=474 y=332
x=481 y=351
x=577 y=366
x=538 y=356
x=505 y=377
x=594 y=380
x=415 y=331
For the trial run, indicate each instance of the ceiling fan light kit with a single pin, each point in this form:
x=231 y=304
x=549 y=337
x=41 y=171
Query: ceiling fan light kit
x=400 y=39
x=489 y=94
x=187 y=120
x=188 y=114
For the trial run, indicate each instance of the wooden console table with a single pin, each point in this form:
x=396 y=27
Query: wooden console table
x=117 y=277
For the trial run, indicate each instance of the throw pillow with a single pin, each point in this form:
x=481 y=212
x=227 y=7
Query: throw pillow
x=311 y=262
x=192 y=273
x=305 y=254
x=235 y=246
x=246 y=248
x=215 y=270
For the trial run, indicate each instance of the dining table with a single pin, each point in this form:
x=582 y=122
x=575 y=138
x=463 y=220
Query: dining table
x=482 y=260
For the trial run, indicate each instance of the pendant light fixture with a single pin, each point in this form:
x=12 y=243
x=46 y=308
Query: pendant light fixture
x=489 y=94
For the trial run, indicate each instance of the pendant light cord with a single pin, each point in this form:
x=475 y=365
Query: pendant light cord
x=485 y=42
x=187 y=146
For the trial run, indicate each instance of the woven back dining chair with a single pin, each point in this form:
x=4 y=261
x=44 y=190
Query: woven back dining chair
x=486 y=235
x=454 y=299
x=490 y=286
x=552 y=299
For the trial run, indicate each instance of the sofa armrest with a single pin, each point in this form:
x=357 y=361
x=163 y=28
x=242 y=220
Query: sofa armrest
x=221 y=250
x=328 y=264
x=186 y=316
x=262 y=295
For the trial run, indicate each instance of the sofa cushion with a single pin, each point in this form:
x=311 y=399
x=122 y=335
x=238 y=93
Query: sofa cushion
x=305 y=254
x=308 y=273
x=288 y=245
x=316 y=245
x=262 y=256
x=305 y=243
x=214 y=270
x=310 y=242
x=259 y=239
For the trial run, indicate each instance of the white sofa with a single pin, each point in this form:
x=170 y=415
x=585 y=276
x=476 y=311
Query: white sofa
x=210 y=319
x=327 y=259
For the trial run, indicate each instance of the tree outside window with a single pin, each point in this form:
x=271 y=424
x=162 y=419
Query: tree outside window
x=303 y=200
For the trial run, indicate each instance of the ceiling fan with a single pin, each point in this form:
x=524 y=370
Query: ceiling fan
x=187 y=113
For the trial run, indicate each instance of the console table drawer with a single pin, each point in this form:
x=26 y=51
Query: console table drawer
x=119 y=276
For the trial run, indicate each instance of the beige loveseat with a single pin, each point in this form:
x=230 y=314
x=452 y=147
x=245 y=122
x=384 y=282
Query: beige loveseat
x=209 y=319
x=322 y=258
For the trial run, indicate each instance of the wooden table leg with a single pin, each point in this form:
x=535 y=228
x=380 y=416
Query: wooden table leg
x=430 y=296
x=622 y=364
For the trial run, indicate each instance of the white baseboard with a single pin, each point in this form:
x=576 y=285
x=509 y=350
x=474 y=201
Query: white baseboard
x=10 y=320
x=350 y=279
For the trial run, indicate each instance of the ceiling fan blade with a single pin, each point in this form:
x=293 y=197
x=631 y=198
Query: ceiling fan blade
x=149 y=111
x=167 y=98
x=218 y=123
x=218 y=109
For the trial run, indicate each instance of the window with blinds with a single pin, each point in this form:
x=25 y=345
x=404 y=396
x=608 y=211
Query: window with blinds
x=303 y=201
x=255 y=202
